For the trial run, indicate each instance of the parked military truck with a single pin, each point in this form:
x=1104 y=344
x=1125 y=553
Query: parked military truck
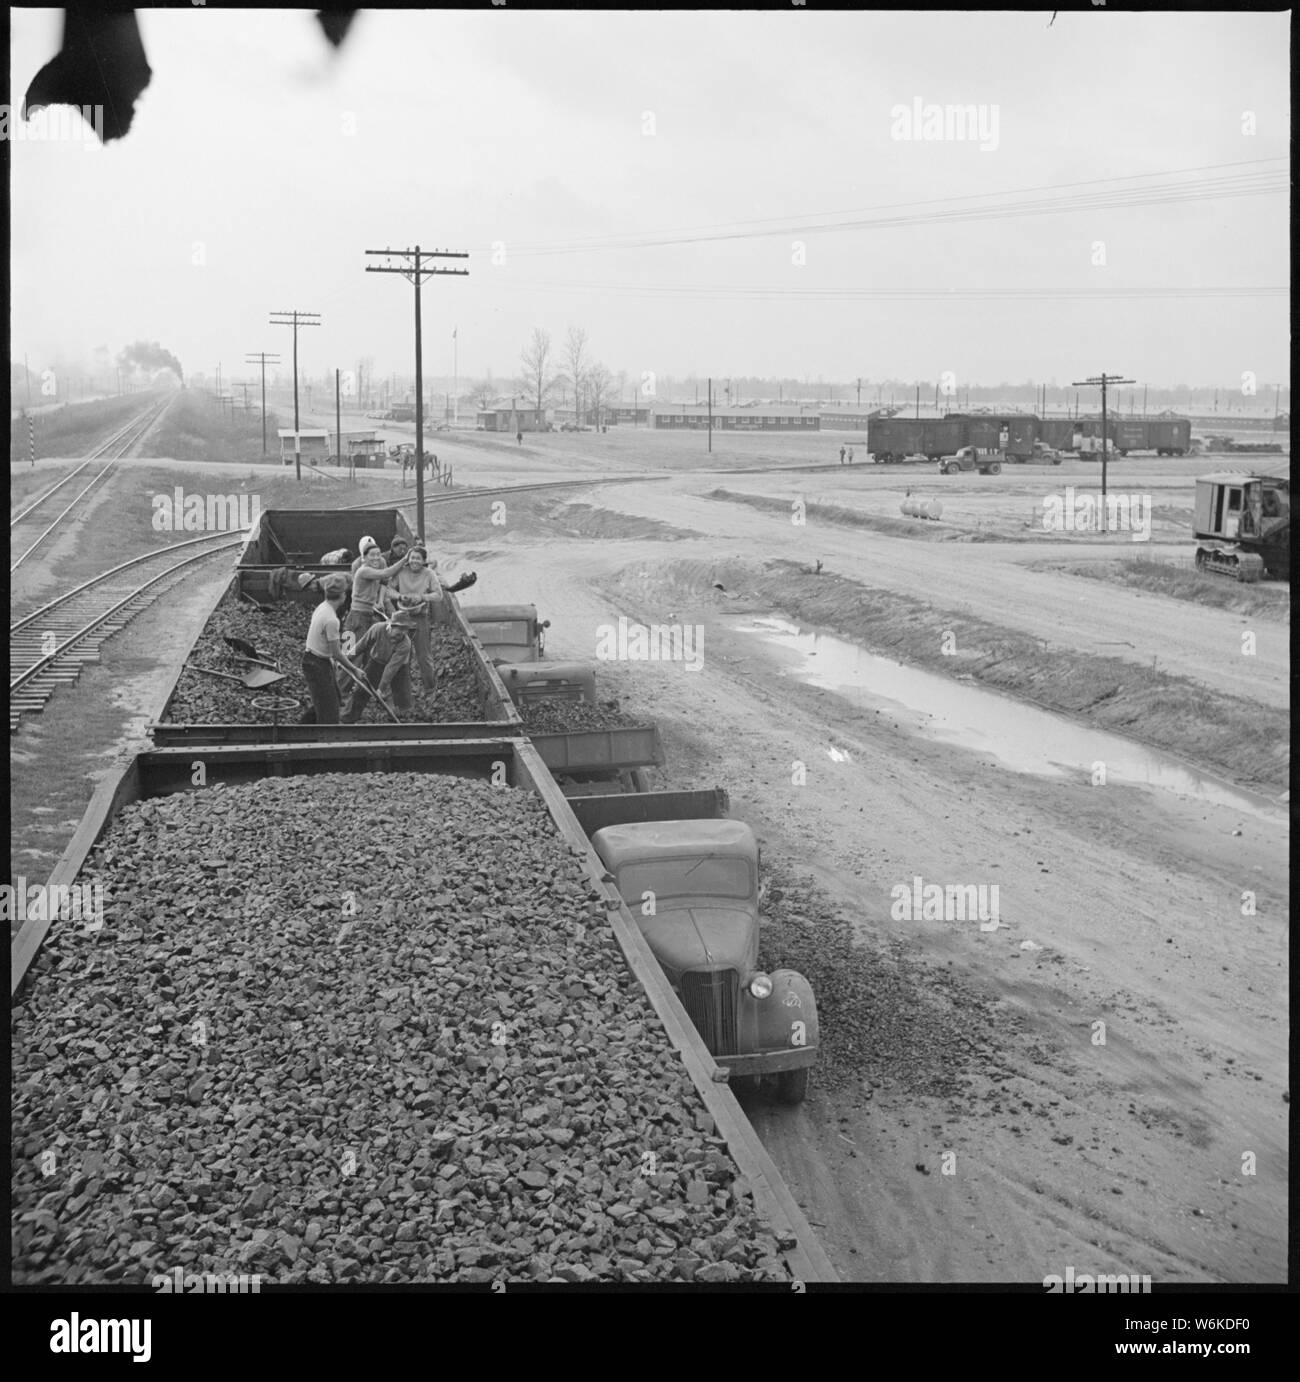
x=508 y=633
x=693 y=887
x=583 y=758
x=1242 y=524
x=968 y=458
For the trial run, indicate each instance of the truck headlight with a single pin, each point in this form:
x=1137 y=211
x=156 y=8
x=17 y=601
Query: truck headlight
x=761 y=985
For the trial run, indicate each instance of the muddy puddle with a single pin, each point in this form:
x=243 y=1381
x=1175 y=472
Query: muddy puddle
x=1020 y=736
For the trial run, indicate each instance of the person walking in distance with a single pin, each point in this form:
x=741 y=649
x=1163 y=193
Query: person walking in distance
x=841 y=454
x=323 y=651
x=850 y=455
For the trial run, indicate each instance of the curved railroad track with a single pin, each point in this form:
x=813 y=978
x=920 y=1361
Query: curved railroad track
x=49 y=646
x=32 y=524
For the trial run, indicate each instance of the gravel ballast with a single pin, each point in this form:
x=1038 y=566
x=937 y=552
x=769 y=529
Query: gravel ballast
x=281 y=631
x=357 y=1028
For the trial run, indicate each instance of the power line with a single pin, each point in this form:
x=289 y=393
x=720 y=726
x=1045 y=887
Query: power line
x=758 y=292
x=1251 y=179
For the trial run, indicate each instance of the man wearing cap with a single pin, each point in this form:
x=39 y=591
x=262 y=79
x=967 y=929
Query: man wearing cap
x=323 y=649
x=384 y=652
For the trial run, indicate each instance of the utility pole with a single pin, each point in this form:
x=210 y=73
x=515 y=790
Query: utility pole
x=710 y=415
x=1104 y=380
x=261 y=358
x=294 y=318
x=918 y=402
x=411 y=269
x=455 y=379
x=338 y=417
x=859 y=393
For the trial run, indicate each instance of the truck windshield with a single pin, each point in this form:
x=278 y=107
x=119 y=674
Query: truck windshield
x=701 y=877
x=503 y=633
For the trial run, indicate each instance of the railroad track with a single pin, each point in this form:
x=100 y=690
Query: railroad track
x=53 y=643
x=49 y=647
x=32 y=524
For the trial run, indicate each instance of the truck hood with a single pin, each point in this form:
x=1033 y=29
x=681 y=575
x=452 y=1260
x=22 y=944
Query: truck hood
x=708 y=937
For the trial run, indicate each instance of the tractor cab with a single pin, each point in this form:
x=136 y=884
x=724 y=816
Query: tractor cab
x=693 y=887
x=1242 y=524
x=508 y=633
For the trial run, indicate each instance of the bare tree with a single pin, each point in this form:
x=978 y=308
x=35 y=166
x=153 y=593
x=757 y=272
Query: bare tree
x=483 y=393
x=575 y=361
x=600 y=385
x=537 y=379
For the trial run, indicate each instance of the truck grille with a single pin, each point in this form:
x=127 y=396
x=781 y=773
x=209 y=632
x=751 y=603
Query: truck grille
x=710 y=1000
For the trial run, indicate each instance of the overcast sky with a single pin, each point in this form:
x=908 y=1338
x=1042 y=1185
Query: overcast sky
x=276 y=165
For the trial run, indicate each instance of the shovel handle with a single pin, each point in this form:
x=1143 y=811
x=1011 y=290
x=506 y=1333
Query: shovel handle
x=225 y=676
x=364 y=683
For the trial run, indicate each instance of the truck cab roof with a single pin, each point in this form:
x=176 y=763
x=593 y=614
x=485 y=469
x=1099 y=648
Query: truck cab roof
x=617 y=844
x=492 y=614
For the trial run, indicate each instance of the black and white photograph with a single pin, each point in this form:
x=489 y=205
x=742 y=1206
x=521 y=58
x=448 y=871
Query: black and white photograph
x=649 y=653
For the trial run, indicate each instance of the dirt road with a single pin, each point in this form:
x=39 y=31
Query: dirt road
x=992 y=580
x=1100 y=1081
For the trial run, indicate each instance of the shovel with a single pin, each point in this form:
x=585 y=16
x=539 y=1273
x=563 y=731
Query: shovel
x=253 y=680
x=370 y=691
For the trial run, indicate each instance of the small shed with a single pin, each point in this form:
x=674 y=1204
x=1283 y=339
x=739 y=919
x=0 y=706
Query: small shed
x=313 y=444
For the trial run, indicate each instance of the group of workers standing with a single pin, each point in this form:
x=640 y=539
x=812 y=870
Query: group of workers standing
x=396 y=597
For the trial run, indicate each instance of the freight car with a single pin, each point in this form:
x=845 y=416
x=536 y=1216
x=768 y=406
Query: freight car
x=1011 y=434
x=483 y=705
x=1166 y=436
x=1017 y=436
x=516 y=1055
x=893 y=439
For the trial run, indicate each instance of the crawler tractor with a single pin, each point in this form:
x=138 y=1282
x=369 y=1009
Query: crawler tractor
x=1242 y=525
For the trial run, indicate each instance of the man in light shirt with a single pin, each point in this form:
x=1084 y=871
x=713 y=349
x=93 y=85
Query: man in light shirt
x=323 y=649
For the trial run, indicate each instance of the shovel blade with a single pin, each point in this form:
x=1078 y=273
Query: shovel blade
x=256 y=680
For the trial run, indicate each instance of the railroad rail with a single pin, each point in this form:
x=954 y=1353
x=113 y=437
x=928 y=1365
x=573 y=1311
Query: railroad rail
x=110 y=452
x=53 y=643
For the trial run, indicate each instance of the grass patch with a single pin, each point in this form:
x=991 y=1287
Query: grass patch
x=76 y=428
x=1271 y=600
x=197 y=428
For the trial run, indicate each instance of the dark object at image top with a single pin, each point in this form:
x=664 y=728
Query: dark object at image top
x=102 y=65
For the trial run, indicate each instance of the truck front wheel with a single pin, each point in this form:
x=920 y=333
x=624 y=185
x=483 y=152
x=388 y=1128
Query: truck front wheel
x=792 y=1085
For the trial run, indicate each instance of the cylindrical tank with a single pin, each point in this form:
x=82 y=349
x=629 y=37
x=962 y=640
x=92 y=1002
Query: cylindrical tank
x=922 y=508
